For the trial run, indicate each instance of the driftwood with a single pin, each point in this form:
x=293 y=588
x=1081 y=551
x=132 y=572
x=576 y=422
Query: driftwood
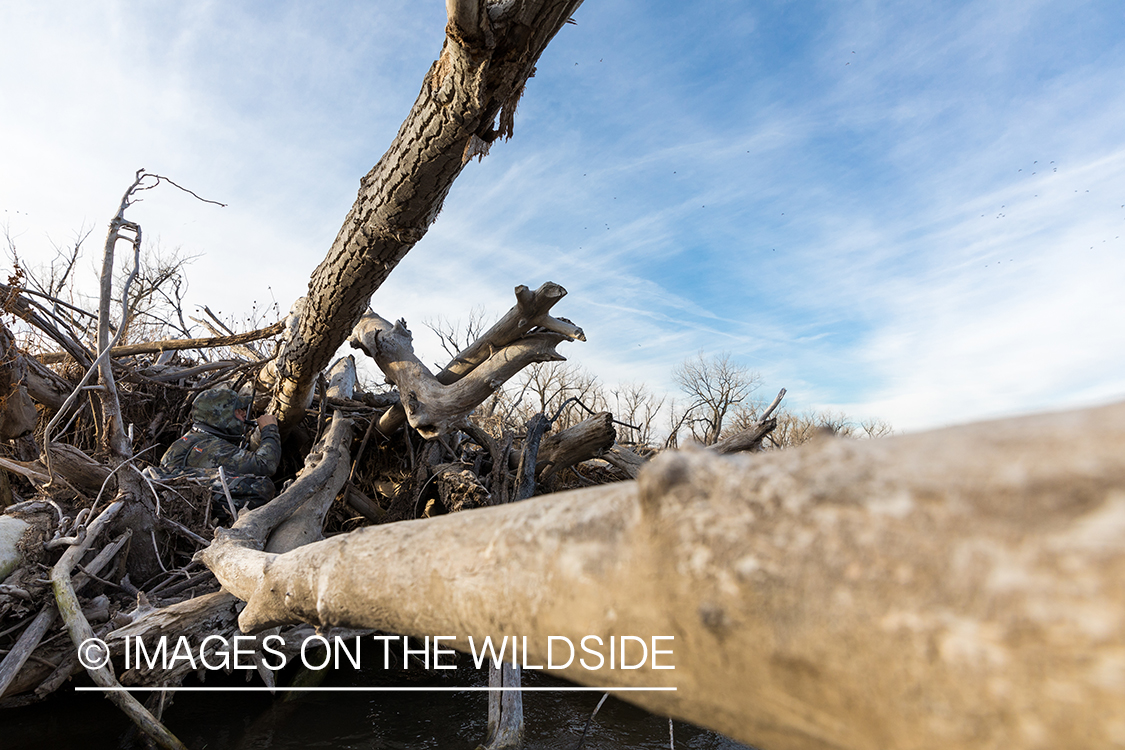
x=588 y=439
x=434 y=409
x=531 y=311
x=626 y=459
x=78 y=469
x=958 y=588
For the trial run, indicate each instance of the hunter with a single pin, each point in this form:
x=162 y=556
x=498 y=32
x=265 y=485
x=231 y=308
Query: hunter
x=218 y=426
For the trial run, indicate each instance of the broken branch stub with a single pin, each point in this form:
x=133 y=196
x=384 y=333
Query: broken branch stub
x=434 y=409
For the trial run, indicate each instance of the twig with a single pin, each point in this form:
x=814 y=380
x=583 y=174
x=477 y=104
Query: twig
x=586 y=728
x=156 y=549
x=362 y=447
x=226 y=491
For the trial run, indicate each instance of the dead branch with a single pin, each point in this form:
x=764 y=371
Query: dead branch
x=531 y=311
x=588 y=439
x=167 y=345
x=433 y=408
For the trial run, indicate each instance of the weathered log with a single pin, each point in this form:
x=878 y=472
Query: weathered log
x=81 y=471
x=328 y=471
x=958 y=588
x=747 y=440
x=588 y=439
x=467 y=101
x=434 y=409
x=17 y=411
x=530 y=311
x=751 y=438
x=45 y=386
x=342 y=378
x=626 y=459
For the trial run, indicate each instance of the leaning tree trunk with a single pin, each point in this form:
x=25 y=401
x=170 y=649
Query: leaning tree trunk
x=959 y=588
x=468 y=99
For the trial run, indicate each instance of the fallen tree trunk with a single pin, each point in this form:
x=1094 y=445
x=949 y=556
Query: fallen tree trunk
x=958 y=588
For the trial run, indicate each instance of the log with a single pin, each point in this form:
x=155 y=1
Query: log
x=626 y=459
x=747 y=440
x=44 y=385
x=434 y=409
x=73 y=465
x=328 y=468
x=957 y=588
x=588 y=439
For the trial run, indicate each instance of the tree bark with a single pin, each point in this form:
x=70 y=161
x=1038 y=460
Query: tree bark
x=959 y=588
x=468 y=99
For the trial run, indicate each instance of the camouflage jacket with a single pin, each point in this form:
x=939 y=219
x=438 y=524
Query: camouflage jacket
x=202 y=449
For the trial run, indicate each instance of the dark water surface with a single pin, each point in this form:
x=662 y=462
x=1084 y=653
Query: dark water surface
x=363 y=721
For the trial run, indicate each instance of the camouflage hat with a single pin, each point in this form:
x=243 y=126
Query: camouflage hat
x=215 y=408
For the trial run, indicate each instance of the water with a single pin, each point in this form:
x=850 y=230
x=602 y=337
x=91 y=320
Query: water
x=354 y=720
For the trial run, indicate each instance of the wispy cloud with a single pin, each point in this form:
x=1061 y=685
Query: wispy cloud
x=859 y=200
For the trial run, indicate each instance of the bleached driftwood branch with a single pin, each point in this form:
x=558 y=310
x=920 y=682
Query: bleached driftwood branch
x=433 y=408
x=958 y=588
x=532 y=310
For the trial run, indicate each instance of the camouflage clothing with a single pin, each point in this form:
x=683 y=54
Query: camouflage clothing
x=211 y=444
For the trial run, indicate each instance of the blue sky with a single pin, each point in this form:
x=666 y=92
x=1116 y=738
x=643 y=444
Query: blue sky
x=911 y=211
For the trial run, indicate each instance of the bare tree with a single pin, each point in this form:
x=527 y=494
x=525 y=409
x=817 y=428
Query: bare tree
x=713 y=386
x=547 y=387
x=639 y=407
x=876 y=428
x=453 y=336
